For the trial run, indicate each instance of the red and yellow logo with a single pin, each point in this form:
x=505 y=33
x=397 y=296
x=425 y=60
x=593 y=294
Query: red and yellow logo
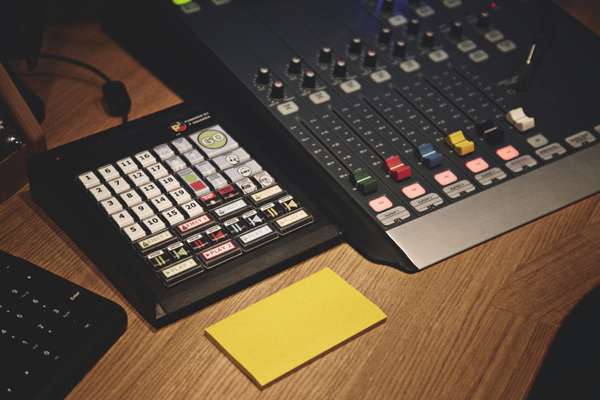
x=179 y=127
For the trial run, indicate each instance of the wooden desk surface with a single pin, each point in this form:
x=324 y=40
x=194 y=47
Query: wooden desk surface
x=476 y=326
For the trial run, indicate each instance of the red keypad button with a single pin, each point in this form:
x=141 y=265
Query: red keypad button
x=413 y=191
x=477 y=165
x=445 y=178
x=380 y=204
x=507 y=153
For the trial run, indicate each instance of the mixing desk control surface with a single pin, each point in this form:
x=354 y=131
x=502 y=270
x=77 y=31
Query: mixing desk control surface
x=424 y=127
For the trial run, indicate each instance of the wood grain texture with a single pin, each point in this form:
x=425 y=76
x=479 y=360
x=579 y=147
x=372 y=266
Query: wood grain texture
x=475 y=326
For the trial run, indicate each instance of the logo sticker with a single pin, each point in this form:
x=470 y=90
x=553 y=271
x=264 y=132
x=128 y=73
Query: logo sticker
x=179 y=127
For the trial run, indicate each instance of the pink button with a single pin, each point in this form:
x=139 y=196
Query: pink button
x=507 y=153
x=445 y=178
x=477 y=165
x=413 y=191
x=380 y=204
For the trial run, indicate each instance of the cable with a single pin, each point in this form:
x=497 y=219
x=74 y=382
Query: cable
x=118 y=102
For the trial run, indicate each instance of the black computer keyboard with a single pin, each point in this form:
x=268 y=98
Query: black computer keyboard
x=51 y=331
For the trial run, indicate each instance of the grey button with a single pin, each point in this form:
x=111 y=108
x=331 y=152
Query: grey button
x=319 y=97
x=550 y=151
x=410 y=66
x=579 y=139
x=350 y=86
x=164 y=151
x=264 y=179
x=236 y=157
x=214 y=141
x=466 y=45
x=288 y=108
x=392 y=216
x=425 y=11
x=194 y=157
x=456 y=189
x=397 y=20
x=381 y=76
x=537 y=141
x=182 y=145
x=452 y=3
x=519 y=164
x=426 y=202
x=506 y=45
x=243 y=171
x=494 y=36
x=217 y=181
x=478 y=56
x=487 y=177
x=438 y=56
x=247 y=186
x=176 y=164
x=205 y=169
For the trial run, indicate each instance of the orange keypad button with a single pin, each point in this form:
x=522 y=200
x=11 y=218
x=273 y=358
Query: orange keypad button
x=413 y=191
x=445 y=178
x=477 y=165
x=380 y=204
x=507 y=153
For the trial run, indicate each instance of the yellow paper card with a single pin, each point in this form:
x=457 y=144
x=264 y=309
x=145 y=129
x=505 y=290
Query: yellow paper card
x=284 y=331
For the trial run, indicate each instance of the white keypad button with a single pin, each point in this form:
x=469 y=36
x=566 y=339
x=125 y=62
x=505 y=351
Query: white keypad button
x=494 y=36
x=154 y=224
x=264 y=179
x=214 y=141
x=247 y=186
x=108 y=172
x=192 y=208
x=193 y=157
x=169 y=183
x=134 y=232
x=478 y=56
x=164 y=152
x=150 y=190
x=139 y=178
x=89 y=179
x=180 y=196
x=397 y=20
x=176 y=164
x=350 y=86
x=131 y=198
x=319 y=97
x=143 y=211
x=217 y=181
x=452 y=3
x=112 y=206
x=205 y=169
x=145 y=158
x=243 y=171
x=173 y=216
x=236 y=157
x=127 y=165
x=182 y=145
x=100 y=192
x=380 y=76
x=506 y=45
x=161 y=202
x=123 y=219
x=425 y=11
x=410 y=66
x=288 y=108
x=538 y=141
x=466 y=46
x=119 y=185
x=438 y=56
x=158 y=171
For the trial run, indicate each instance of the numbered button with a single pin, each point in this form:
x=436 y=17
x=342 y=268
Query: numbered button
x=127 y=165
x=134 y=232
x=123 y=219
x=112 y=206
x=169 y=183
x=154 y=224
x=143 y=211
x=145 y=158
x=150 y=190
x=192 y=208
x=119 y=185
x=131 y=198
x=89 y=179
x=173 y=216
x=161 y=202
x=100 y=192
x=108 y=172
x=180 y=196
x=158 y=171
x=139 y=178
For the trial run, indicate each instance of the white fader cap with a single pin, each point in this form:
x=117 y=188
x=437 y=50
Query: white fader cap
x=520 y=120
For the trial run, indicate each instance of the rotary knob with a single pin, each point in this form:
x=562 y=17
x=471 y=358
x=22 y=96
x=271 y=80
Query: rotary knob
x=356 y=46
x=295 y=66
x=388 y=6
x=400 y=49
x=413 y=26
x=309 y=81
x=277 y=90
x=326 y=55
x=484 y=20
x=385 y=35
x=456 y=29
x=370 y=60
x=340 y=70
x=428 y=39
x=263 y=76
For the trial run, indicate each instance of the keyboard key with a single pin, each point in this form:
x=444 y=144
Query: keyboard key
x=143 y=211
x=445 y=178
x=161 y=202
x=100 y=193
x=180 y=196
x=228 y=192
x=155 y=240
x=257 y=237
x=380 y=204
x=217 y=181
x=145 y=158
x=231 y=208
x=194 y=224
x=158 y=259
x=253 y=218
x=216 y=234
x=164 y=152
x=193 y=157
x=247 y=186
x=293 y=221
x=131 y=198
x=176 y=164
x=89 y=179
x=173 y=216
x=108 y=172
x=119 y=185
x=169 y=183
x=507 y=153
x=210 y=200
x=123 y=219
x=192 y=208
x=197 y=242
x=150 y=190
x=288 y=204
x=234 y=226
x=181 y=269
x=127 y=165
x=178 y=251
x=477 y=165
x=244 y=171
x=220 y=253
x=413 y=191
x=194 y=183
x=112 y=206
x=139 y=178
x=134 y=232
x=158 y=171
x=182 y=145
x=205 y=169
x=264 y=179
x=154 y=224
x=236 y=157
x=266 y=194
x=214 y=141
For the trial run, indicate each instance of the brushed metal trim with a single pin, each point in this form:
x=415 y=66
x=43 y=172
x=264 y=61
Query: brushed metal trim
x=460 y=226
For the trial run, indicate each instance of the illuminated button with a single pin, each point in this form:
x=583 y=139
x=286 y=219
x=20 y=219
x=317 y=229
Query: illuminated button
x=445 y=178
x=507 y=153
x=381 y=76
x=461 y=145
x=452 y=3
x=477 y=165
x=194 y=224
x=397 y=20
x=380 y=204
x=438 y=56
x=409 y=66
x=506 y=45
x=178 y=251
x=425 y=11
x=319 y=97
x=478 y=56
x=194 y=182
x=363 y=181
x=288 y=108
x=429 y=156
x=466 y=46
x=520 y=120
x=494 y=36
x=413 y=191
x=350 y=86
x=397 y=169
